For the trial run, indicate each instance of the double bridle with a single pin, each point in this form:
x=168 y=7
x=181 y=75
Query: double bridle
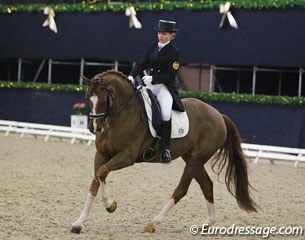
x=105 y=114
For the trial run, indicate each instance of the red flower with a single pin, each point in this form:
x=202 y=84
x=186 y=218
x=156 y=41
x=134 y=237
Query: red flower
x=79 y=108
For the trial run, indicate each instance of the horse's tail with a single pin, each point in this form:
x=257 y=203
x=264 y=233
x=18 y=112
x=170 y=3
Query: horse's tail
x=236 y=176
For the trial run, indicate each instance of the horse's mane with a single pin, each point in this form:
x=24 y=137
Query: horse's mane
x=118 y=74
x=115 y=72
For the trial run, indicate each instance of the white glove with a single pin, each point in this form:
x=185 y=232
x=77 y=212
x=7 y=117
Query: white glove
x=131 y=79
x=147 y=80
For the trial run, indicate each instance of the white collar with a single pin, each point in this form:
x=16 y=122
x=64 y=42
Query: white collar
x=162 y=45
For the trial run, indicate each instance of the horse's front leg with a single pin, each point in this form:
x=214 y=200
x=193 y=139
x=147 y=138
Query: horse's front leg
x=78 y=224
x=95 y=184
x=119 y=161
x=109 y=204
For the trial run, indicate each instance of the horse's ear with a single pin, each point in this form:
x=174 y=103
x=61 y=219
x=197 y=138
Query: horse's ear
x=86 y=80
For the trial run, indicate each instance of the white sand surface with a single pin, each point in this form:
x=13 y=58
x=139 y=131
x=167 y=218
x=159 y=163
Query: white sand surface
x=43 y=186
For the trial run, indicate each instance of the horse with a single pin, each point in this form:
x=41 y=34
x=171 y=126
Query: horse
x=116 y=113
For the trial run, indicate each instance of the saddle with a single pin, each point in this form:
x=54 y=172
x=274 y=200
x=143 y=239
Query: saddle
x=180 y=122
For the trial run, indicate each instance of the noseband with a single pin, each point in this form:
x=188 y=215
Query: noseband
x=105 y=114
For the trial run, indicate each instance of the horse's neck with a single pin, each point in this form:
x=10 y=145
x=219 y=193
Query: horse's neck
x=124 y=94
x=126 y=104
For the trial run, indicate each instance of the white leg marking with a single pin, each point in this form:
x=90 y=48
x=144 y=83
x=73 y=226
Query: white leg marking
x=94 y=99
x=211 y=214
x=160 y=217
x=85 y=213
x=105 y=195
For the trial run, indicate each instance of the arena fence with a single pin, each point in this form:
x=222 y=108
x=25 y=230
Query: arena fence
x=46 y=131
x=252 y=151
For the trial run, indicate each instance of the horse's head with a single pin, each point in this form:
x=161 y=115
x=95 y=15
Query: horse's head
x=100 y=96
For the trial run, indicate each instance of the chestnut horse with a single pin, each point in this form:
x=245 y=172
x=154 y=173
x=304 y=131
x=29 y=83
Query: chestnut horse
x=116 y=115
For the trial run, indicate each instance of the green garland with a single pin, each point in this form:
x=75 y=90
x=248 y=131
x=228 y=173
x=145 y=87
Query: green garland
x=43 y=86
x=154 y=6
x=217 y=97
x=245 y=98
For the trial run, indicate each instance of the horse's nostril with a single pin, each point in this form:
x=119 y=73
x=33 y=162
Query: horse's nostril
x=99 y=129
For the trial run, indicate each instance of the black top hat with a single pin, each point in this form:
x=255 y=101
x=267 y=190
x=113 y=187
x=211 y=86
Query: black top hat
x=166 y=26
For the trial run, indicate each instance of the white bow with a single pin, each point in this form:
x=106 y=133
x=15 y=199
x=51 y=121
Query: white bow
x=224 y=8
x=50 y=20
x=133 y=21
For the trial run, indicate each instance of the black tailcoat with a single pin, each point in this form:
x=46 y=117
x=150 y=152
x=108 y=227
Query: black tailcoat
x=162 y=66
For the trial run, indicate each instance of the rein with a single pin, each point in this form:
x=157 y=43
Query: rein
x=106 y=114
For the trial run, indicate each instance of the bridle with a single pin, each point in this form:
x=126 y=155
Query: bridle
x=105 y=114
x=109 y=97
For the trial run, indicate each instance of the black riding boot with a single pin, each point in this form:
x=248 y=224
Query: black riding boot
x=166 y=136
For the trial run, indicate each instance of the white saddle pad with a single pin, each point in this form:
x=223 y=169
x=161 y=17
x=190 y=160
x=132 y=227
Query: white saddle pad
x=180 y=121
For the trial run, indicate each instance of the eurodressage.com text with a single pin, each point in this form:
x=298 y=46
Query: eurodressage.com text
x=264 y=232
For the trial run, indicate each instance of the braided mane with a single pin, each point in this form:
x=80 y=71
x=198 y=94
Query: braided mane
x=115 y=72
x=118 y=74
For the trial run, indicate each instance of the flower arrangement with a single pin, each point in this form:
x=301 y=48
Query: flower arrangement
x=79 y=108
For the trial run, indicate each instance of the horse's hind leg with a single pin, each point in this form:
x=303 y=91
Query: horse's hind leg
x=181 y=190
x=206 y=186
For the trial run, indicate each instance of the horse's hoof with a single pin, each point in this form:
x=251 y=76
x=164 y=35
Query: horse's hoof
x=76 y=230
x=112 y=208
x=150 y=227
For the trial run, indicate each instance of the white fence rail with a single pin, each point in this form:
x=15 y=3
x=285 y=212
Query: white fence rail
x=252 y=151
x=47 y=131
x=272 y=153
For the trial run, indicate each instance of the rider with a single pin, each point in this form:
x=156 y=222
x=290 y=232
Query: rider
x=162 y=61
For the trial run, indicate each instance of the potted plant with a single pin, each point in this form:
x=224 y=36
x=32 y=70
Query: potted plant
x=79 y=108
x=78 y=119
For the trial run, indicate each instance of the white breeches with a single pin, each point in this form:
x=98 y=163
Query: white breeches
x=164 y=98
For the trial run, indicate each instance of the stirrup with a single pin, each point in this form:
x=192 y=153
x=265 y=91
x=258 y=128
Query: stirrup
x=149 y=154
